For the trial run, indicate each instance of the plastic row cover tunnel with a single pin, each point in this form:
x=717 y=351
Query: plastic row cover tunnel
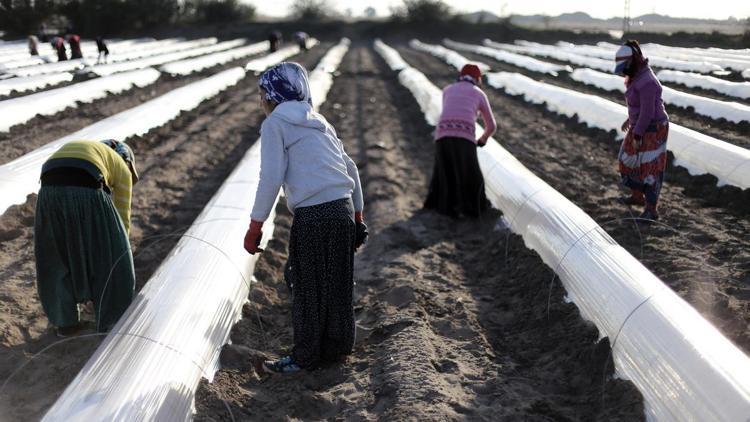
x=149 y=366
x=684 y=367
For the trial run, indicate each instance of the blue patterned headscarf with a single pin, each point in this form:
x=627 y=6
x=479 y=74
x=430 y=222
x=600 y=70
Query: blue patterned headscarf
x=286 y=81
x=123 y=150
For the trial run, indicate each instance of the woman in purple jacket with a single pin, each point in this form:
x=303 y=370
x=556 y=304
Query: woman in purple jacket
x=643 y=153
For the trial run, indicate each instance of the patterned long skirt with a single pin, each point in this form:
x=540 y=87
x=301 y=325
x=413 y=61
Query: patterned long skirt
x=642 y=167
x=82 y=253
x=457 y=185
x=320 y=273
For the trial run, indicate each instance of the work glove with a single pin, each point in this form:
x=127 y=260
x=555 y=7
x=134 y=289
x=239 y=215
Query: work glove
x=361 y=230
x=253 y=236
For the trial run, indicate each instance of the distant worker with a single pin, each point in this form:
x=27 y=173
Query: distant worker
x=81 y=233
x=75 y=46
x=103 y=50
x=301 y=152
x=643 y=153
x=33 y=45
x=301 y=39
x=58 y=43
x=457 y=186
x=274 y=40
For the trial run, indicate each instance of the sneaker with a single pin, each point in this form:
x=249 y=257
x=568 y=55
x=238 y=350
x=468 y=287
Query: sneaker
x=68 y=331
x=647 y=217
x=631 y=201
x=284 y=365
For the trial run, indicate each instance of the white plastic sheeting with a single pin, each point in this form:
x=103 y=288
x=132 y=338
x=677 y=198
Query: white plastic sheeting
x=88 y=48
x=390 y=55
x=683 y=366
x=705 y=52
x=554 y=52
x=449 y=56
x=22 y=109
x=518 y=60
x=108 y=69
x=746 y=74
x=262 y=63
x=607 y=51
x=321 y=78
x=709 y=107
x=31 y=83
x=696 y=80
x=697 y=152
x=171 y=45
x=188 y=66
x=19 y=178
x=715 y=109
x=728 y=61
x=25 y=61
x=41 y=69
x=598 y=79
x=428 y=96
x=149 y=367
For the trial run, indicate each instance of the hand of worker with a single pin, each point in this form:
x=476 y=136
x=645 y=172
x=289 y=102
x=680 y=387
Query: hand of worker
x=253 y=236
x=625 y=125
x=482 y=142
x=361 y=230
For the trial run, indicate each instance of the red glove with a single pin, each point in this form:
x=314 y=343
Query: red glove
x=359 y=217
x=253 y=236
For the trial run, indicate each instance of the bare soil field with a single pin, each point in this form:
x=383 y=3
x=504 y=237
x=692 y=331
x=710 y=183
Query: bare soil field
x=181 y=166
x=700 y=250
x=447 y=330
x=453 y=317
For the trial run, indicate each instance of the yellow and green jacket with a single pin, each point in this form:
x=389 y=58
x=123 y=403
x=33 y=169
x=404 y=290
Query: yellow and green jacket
x=104 y=164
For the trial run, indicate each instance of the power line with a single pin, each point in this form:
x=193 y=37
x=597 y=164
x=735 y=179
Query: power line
x=626 y=18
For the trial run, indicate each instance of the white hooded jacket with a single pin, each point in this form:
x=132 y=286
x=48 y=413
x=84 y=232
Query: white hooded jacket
x=301 y=152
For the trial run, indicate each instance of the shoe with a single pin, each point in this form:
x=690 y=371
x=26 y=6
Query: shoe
x=631 y=201
x=284 y=365
x=68 y=331
x=647 y=217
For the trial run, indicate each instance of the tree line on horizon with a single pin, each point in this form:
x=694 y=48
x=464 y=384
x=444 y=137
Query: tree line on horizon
x=110 y=17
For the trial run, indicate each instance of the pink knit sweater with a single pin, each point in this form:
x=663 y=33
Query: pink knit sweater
x=462 y=102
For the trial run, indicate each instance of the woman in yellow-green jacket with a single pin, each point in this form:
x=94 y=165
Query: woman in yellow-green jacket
x=81 y=233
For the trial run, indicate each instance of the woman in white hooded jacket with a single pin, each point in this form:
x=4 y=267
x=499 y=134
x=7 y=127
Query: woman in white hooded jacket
x=301 y=152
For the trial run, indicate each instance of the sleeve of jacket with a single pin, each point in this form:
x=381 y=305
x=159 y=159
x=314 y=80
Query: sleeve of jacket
x=490 y=125
x=351 y=169
x=122 y=192
x=273 y=164
x=648 y=96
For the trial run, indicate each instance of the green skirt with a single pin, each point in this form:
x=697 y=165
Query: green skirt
x=82 y=253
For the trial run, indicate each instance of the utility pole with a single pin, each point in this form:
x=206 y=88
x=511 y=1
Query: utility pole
x=626 y=18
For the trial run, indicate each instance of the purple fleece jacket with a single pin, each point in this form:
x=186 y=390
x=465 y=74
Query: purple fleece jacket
x=643 y=97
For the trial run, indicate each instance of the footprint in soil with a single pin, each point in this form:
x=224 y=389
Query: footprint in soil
x=445 y=366
x=384 y=331
x=400 y=296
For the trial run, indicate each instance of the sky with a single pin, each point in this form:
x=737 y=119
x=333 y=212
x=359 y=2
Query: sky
x=714 y=9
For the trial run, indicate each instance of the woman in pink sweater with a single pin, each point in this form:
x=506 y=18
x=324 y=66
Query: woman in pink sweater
x=457 y=186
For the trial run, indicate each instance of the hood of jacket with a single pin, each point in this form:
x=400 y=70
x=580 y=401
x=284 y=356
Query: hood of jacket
x=300 y=113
